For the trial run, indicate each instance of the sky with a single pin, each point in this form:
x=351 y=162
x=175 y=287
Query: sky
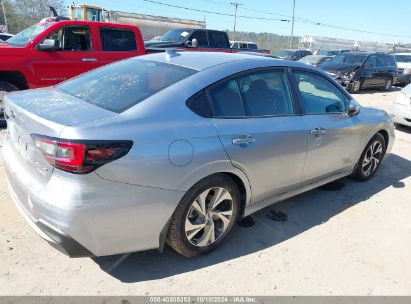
x=391 y=22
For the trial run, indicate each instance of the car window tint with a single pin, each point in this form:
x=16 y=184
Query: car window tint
x=265 y=94
x=226 y=100
x=217 y=39
x=371 y=61
x=390 y=60
x=121 y=85
x=199 y=104
x=381 y=61
x=117 y=40
x=72 y=38
x=201 y=37
x=318 y=95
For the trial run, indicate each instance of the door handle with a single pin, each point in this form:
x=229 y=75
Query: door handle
x=89 y=59
x=243 y=140
x=317 y=131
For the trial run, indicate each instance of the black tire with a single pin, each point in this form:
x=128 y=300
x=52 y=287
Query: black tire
x=355 y=87
x=7 y=86
x=388 y=84
x=177 y=238
x=361 y=172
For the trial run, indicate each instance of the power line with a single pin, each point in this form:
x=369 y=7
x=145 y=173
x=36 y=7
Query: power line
x=215 y=13
x=313 y=22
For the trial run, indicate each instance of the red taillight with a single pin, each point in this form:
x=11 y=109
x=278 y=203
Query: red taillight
x=79 y=156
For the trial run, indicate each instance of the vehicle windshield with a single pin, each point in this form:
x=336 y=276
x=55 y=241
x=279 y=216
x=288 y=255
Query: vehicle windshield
x=176 y=35
x=25 y=36
x=285 y=53
x=328 y=53
x=311 y=59
x=403 y=58
x=356 y=59
x=119 y=86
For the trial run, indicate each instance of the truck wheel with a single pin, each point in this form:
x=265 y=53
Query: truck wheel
x=7 y=86
x=205 y=216
x=388 y=84
x=355 y=87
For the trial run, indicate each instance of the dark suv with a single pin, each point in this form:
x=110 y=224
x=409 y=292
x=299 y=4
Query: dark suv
x=360 y=70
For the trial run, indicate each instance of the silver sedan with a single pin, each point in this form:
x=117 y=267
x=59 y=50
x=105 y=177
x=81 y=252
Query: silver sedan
x=176 y=147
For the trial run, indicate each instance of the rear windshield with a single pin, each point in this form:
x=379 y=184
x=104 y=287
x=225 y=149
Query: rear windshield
x=119 y=86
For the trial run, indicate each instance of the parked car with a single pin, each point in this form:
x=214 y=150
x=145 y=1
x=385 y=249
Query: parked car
x=185 y=145
x=198 y=40
x=331 y=52
x=293 y=54
x=315 y=60
x=404 y=68
x=243 y=45
x=401 y=108
x=360 y=70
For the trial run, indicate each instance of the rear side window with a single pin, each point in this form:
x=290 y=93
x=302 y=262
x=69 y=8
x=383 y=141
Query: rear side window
x=199 y=104
x=318 y=95
x=390 y=60
x=226 y=100
x=121 y=85
x=117 y=40
x=217 y=39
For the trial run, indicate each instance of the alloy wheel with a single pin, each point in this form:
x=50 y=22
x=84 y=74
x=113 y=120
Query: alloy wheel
x=209 y=216
x=372 y=158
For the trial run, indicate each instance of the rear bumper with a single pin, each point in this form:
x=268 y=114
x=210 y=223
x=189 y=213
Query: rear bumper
x=85 y=215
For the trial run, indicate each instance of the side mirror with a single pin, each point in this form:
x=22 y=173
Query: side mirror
x=353 y=108
x=194 y=43
x=48 y=45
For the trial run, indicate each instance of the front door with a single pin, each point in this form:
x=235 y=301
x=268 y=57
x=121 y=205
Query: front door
x=255 y=118
x=72 y=57
x=334 y=137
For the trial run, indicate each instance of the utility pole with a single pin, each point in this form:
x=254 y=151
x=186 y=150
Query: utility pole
x=236 y=4
x=292 y=26
x=4 y=14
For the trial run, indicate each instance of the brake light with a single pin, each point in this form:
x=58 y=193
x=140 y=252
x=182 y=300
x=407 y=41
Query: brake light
x=80 y=156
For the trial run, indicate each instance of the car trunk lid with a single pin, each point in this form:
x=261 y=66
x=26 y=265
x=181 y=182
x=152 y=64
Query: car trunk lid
x=44 y=112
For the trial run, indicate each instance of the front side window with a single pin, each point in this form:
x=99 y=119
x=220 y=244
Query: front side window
x=371 y=61
x=318 y=95
x=117 y=40
x=265 y=94
x=201 y=37
x=121 y=85
x=72 y=38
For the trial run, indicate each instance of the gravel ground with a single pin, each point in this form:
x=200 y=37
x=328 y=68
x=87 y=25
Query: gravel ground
x=345 y=239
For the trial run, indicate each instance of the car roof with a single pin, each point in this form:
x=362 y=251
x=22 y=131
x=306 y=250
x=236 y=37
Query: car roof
x=408 y=54
x=204 y=60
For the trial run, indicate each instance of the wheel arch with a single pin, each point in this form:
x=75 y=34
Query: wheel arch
x=16 y=78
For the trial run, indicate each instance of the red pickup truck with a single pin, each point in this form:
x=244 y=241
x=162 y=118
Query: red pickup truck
x=52 y=51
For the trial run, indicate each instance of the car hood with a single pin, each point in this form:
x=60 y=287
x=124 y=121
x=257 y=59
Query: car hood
x=338 y=68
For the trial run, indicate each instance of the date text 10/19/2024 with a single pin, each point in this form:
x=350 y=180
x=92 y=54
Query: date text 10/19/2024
x=201 y=299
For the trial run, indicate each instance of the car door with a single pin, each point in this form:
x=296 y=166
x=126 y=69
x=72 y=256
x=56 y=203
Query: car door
x=68 y=60
x=371 y=75
x=334 y=137
x=258 y=125
x=116 y=44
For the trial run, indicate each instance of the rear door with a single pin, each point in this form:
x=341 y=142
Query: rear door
x=69 y=60
x=334 y=137
x=218 y=41
x=116 y=44
x=260 y=130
